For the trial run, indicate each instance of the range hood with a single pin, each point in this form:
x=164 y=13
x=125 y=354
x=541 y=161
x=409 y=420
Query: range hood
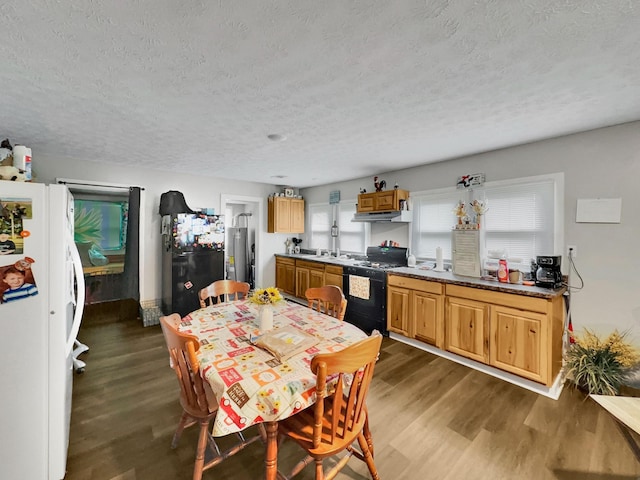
x=400 y=216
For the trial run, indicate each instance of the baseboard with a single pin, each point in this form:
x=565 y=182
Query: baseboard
x=552 y=392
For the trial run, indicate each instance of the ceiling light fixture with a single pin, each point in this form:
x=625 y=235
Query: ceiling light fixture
x=276 y=137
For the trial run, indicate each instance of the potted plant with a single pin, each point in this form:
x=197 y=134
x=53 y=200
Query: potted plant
x=600 y=366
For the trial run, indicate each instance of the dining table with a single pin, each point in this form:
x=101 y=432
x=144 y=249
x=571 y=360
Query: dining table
x=252 y=386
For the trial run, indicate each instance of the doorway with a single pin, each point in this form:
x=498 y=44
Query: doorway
x=243 y=224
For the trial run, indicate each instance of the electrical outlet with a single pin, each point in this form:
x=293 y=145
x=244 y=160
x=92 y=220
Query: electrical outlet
x=572 y=251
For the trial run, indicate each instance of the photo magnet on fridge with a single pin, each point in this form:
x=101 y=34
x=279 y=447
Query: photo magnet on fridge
x=12 y=234
x=17 y=281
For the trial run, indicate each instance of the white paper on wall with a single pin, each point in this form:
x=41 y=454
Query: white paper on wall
x=599 y=210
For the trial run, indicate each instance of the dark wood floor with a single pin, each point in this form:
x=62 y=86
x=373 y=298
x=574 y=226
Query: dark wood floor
x=431 y=419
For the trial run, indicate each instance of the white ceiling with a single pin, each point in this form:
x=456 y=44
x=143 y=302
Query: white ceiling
x=357 y=88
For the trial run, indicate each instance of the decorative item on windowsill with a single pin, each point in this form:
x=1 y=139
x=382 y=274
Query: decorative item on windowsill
x=266 y=298
x=460 y=211
x=600 y=366
x=479 y=207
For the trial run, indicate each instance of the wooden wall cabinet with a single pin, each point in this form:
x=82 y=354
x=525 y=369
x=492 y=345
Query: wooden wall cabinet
x=386 y=201
x=415 y=309
x=285 y=215
x=286 y=275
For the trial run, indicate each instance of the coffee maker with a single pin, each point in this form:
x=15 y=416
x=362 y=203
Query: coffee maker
x=548 y=274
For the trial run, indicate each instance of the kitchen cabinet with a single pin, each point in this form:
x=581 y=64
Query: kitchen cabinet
x=415 y=309
x=467 y=329
x=285 y=215
x=286 y=275
x=294 y=276
x=386 y=201
x=308 y=275
x=515 y=333
x=518 y=345
x=333 y=275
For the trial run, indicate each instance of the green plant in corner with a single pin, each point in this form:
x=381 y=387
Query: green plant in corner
x=600 y=366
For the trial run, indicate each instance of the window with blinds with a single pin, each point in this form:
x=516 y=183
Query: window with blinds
x=353 y=236
x=522 y=217
x=320 y=221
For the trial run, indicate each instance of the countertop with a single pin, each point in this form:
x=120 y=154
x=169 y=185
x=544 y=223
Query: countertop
x=443 y=277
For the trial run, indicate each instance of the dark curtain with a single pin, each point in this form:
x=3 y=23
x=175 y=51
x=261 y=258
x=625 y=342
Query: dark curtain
x=130 y=278
x=126 y=285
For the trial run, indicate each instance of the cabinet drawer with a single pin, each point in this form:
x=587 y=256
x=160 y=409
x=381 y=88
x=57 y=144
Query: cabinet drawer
x=523 y=302
x=415 y=284
x=334 y=269
x=285 y=261
x=311 y=265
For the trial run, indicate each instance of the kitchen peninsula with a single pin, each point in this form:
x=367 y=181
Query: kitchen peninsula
x=510 y=331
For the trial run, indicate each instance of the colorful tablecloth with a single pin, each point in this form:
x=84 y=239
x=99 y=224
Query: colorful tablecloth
x=251 y=385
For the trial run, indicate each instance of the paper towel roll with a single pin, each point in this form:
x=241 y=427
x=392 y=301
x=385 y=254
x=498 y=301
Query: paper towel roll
x=22 y=160
x=439 y=264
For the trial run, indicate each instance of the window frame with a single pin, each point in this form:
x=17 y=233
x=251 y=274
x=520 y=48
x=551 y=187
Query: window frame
x=467 y=195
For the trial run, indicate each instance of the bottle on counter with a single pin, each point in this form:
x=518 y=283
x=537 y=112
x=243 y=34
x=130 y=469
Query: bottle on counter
x=411 y=260
x=503 y=271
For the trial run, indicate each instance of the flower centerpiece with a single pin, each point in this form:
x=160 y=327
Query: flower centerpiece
x=600 y=366
x=266 y=298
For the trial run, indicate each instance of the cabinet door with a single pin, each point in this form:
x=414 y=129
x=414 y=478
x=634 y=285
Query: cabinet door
x=466 y=329
x=385 y=201
x=316 y=278
x=425 y=311
x=282 y=215
x=281 y=275
x=286 y=276
x=398 y=310
x=290 y=280
x=366 y=202
x=302 y=281
x=517 y=342
x=297 y=216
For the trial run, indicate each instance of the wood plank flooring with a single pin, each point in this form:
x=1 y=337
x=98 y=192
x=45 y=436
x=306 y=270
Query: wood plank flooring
x=430 y=418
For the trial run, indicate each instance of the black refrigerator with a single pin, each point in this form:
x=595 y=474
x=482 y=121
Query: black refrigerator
x=192 y=258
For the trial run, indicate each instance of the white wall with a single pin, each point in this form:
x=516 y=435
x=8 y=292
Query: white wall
x=601 y=163
x=199 y=191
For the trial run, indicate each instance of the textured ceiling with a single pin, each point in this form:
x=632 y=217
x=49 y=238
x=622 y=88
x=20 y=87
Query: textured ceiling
x=357 y=88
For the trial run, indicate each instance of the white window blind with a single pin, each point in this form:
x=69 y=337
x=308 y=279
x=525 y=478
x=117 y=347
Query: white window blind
x=320 y=221
x=353 y=235
x=521 y=217
x=433 y=219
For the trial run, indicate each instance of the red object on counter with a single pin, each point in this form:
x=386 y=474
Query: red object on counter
x=503 y=271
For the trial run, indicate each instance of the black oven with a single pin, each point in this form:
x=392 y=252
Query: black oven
x=365 y=287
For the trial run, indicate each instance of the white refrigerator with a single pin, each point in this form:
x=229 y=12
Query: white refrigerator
x=42 y=289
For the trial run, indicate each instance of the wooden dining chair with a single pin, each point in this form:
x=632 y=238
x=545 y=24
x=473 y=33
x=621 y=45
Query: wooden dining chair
x=223 y=291
x=198 y=401
x=339 y=417
x=328 y=299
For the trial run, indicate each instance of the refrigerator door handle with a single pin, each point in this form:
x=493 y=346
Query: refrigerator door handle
x=80 y=289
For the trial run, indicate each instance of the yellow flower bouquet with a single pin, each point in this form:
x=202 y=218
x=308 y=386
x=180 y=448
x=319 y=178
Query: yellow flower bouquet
x=266 y=296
